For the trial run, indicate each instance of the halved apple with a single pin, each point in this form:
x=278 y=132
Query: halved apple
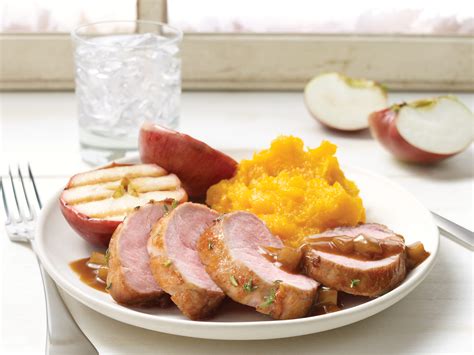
x=198 y=165
x=94 y=203
x=343 y=103
x=424 y=131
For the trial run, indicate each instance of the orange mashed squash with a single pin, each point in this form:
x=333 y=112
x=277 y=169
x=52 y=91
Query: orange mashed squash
x=296 y=192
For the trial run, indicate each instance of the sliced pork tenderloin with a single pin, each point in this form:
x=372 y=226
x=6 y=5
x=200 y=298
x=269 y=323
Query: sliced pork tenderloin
x=355 y=274
x=175 y=262
x=231 y=253
x=130 y=280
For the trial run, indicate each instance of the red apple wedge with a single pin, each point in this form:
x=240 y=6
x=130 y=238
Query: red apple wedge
x=94 y=203
x=424 y=131
x=343 y=103
x=198 y=165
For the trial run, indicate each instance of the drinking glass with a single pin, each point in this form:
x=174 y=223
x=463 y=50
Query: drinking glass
x=126 y=72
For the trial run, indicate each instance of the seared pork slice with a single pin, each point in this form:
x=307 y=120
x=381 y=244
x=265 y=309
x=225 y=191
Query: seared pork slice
x=355 y=274
x=175 y=262
x=129 y=280
x=231 y=251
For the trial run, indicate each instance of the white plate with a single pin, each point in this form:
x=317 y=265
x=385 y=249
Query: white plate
x=385 y=202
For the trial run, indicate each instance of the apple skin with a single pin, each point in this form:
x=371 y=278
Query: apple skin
x=96 y=231
x=196 y=164
x=384 y=129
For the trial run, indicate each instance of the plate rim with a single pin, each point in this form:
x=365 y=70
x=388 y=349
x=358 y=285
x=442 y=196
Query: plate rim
x=334 y=320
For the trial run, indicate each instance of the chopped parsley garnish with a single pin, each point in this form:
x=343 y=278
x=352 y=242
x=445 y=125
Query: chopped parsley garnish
x=270 y=299
x=169 y=207
x=354 y=282
x=174 y=204
x=233 y=281
x=107 y=257
x=167 y=263
x=249 y=287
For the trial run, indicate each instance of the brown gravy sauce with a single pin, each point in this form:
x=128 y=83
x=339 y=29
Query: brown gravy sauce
x=289 y=260
x=360 y=247
x=344 y=301
x=416 y=254
x=87 y=274
x=286 y=258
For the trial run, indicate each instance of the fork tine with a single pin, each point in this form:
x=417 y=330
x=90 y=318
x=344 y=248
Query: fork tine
x=20 y=212
x=30 y=210
x=30 y=173
x=5 y=204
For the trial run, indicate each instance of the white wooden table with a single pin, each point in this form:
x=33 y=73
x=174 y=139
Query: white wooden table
x=436 y=318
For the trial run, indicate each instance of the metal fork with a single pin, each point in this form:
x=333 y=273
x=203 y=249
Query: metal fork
x=63 y=334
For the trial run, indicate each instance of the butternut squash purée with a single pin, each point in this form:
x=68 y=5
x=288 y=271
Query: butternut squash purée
x=297 y=192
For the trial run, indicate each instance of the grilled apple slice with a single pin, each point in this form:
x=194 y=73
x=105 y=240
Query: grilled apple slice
x=343 y=103
x=198 y=165
x=94 y=203
x=424 y=131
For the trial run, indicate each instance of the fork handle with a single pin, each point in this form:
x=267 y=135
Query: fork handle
x=454 y=231
x=63 y=334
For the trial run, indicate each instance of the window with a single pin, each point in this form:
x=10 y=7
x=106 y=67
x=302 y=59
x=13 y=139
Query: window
x=277 y=45
x=409 y=17
x=56 y=16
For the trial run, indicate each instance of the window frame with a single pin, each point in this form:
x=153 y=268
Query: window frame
x=261 y=61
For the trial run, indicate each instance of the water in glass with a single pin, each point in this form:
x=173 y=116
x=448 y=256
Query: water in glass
x=122 y=80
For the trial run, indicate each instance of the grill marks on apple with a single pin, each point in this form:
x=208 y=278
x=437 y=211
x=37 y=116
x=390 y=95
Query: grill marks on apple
x=111 y=193
x=94 y=203
x=96 y=192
